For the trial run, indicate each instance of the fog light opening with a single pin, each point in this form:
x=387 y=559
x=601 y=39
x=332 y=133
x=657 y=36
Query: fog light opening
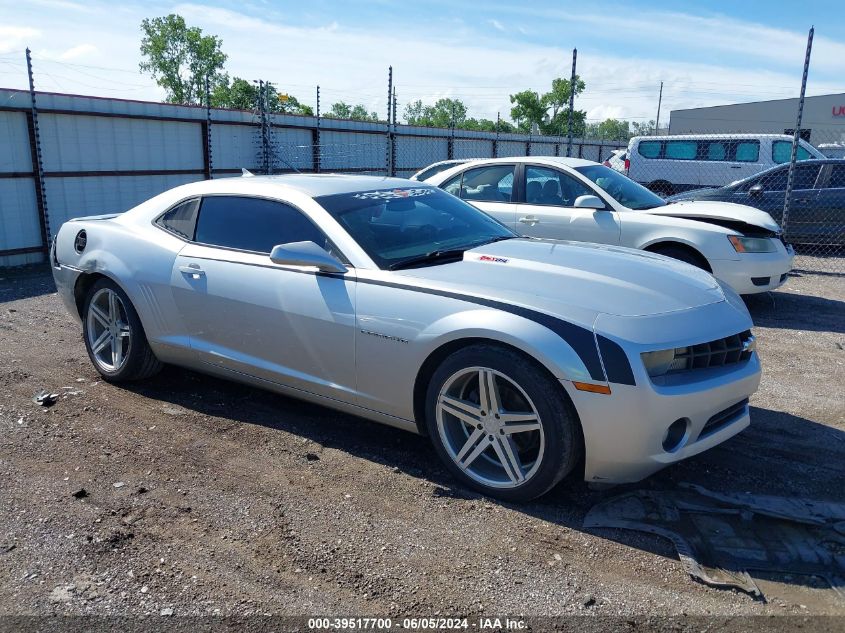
x=676 y=435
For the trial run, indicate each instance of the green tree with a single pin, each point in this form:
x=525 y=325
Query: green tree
x=180 y=58
x=549 y=111
x=241 y=94
x=642 y=129
x=342 y=110
x=527 y=110
x=610 y=129
x=444 y=113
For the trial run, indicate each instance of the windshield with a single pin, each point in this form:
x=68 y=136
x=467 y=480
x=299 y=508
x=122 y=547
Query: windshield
x=621 y=188
x=394 y=225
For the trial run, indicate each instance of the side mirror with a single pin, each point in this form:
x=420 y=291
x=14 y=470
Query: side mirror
x=756 y=190
x=589 y=202
x=306 y=254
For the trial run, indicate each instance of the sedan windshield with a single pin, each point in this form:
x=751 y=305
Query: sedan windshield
x=621 y=188
x=412 y=226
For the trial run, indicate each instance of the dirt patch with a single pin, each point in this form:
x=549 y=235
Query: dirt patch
x=237 y=501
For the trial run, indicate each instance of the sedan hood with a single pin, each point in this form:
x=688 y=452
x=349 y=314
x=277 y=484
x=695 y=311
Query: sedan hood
x=713 y=210
x=557 y=276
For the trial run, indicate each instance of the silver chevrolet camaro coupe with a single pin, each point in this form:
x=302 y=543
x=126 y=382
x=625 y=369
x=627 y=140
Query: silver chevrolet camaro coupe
x=522 y=359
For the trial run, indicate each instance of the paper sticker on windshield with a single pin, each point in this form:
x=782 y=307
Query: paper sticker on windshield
x=394 y=194
x=490 y=258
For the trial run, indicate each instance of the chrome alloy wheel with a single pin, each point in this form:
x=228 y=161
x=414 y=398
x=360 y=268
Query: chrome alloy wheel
x=489 y=427
x=109 y=335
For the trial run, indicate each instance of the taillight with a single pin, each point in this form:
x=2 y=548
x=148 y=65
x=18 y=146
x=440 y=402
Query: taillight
x=627 y=164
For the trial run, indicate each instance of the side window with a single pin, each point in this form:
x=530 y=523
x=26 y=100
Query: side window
x=774 y=180
x=493 y=183
x=746 y=151
x=552 y=187
x=681 y=150
x=253 y=224
x=805 y=176
x=181 y=219
x=649 y=149
x=782 y=152
x=837 y=177
x=717 y=150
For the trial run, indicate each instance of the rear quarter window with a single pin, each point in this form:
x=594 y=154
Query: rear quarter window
x=181 y=219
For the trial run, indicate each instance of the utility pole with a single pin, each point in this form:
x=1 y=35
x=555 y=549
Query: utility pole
x=571 y=103
x=659 y=102
x=35 y=155
x=787 y=200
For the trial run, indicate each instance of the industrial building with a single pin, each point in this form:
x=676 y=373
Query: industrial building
x=823 y=121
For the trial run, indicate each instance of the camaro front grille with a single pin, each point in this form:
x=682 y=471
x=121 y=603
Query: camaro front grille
x=722 y=351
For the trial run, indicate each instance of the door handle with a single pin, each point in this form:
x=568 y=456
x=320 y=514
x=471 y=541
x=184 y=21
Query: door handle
x=193 y=270
x=736 y=166
x=529 y=219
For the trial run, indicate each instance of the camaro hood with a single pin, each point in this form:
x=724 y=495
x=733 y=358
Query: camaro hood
x=714 y=210
x=589 y=278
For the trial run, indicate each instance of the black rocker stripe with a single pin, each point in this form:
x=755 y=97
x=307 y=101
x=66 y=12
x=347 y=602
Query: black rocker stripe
x=580 y=339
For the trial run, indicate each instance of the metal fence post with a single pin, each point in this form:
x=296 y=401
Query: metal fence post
x=787 y=199
x=571 y=105
x=389 y=157
x=496 y=140
x=37 y=162
x=315 y=138
x=206 y=149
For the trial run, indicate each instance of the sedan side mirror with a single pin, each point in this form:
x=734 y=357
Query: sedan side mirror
x=756 y=190
x=306 y=254
x=589 y=202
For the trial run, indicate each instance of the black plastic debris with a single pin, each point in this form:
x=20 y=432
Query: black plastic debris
x=45 y=398
x=80 y=494
x=312 y=457
x=721 y=538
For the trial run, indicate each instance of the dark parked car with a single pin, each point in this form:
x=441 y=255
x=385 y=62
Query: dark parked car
x=817 y=215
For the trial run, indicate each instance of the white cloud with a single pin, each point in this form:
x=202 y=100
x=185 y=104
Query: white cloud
x=496 y=25
x=78 y=51
x=15 y=38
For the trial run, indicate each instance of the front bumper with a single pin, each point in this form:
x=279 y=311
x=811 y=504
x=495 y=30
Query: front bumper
x=624 y=431
x=755 y=272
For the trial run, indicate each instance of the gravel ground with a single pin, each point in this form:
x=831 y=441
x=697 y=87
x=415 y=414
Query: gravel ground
x=189 y=495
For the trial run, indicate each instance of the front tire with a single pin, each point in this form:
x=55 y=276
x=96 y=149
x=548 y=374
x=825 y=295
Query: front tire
x=113 y=335
x=501 y=424
x=682 y=254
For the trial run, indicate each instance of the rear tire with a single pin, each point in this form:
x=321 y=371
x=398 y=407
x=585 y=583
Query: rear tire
x=515 y=445
x=114 y=336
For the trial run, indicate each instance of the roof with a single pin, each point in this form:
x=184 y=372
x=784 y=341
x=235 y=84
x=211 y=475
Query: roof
x=313 y=185
x=714 y=135
x=548 y=160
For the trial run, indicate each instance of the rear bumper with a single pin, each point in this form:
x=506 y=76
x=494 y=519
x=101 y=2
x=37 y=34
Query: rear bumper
x=65 y=278
x=755 y=272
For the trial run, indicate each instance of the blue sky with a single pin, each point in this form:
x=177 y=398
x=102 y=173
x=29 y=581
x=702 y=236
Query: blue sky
x=705 y=53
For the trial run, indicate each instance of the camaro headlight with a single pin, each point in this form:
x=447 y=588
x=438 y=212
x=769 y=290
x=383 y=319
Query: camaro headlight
x=752 y=244
x=665 y=360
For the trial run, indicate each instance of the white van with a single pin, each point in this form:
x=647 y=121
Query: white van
x=671 y=164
